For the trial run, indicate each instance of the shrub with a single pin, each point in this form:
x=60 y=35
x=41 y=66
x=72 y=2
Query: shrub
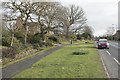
x=6 y=41
x=48 y=44
x=8 y=52
x=73 y=37
x=78 y=36
x=30 y=38
x=81 y=52
x=41 y=43
x=34 y=39
x=53 y=38
x=36 y=46
x=87 y=42
x=17 y=46
x=20 y=36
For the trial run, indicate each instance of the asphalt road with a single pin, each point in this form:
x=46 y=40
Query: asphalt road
x=111 y=60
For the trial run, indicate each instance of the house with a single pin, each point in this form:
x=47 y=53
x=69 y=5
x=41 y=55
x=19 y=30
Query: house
x=33 y=27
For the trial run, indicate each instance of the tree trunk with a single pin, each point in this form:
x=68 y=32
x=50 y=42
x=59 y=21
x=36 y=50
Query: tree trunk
x=67 y=33
x=12 y=39
x=26 y=34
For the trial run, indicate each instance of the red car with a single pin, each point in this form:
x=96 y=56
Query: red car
x=103 y=43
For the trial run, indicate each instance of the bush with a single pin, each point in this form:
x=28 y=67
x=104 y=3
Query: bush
x=48 y=44
x=36 y=46
x=87 y=42
x=6 y=41
x=53 y=38
x=41 y=44
x=34 y=39
x=17 y=46
x=30 y=38
x=73 y=37
x=20 y=36
x=78 y=36
x=81 y=52
x=8 y=52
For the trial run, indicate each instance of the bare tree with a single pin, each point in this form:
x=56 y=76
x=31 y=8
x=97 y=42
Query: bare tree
x=52 y=15
x=39 y=13
x=74 y=19
x=88 y=30
x=12 y=28
x=110 y=31
x=23 y=10
x=48 y=14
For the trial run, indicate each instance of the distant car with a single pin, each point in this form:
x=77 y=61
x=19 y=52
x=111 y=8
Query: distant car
x=103 y=43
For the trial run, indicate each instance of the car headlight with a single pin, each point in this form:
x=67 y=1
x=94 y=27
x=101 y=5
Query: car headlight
x=99 y=44
x=107 y=43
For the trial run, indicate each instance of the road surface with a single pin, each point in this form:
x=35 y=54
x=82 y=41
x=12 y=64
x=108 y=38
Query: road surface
x=111 y=60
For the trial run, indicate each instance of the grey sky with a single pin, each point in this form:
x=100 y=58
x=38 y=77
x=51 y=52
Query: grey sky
x=101 y=14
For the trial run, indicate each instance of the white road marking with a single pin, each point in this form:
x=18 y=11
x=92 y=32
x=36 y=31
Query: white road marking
x=108 y=75
x=113 y=58
x=116 y=60
x=108 y=52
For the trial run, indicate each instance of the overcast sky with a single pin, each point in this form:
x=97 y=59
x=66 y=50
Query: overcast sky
x=101 y=14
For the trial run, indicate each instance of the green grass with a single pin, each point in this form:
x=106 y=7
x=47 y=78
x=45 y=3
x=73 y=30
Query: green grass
x=44 y=49
x=3 y=47
x=12 y=62
x=65 y=42
x=62 y=64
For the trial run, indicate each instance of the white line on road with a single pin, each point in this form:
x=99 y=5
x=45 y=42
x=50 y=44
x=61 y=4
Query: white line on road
x=104 y=66
x=108 y=52
x=113 y=58
x=116 y=60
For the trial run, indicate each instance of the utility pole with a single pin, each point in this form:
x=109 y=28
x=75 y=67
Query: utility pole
x=119 y=15
x=118 y=35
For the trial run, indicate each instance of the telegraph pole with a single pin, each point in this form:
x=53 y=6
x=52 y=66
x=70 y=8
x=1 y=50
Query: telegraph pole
x=119 y=15
x=118 y=35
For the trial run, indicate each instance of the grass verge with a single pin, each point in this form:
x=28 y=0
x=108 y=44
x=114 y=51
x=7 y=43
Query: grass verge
x=62 y=64
x=44 y=49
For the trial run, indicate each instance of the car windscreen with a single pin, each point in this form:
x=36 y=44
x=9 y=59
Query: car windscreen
x=102 y=40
